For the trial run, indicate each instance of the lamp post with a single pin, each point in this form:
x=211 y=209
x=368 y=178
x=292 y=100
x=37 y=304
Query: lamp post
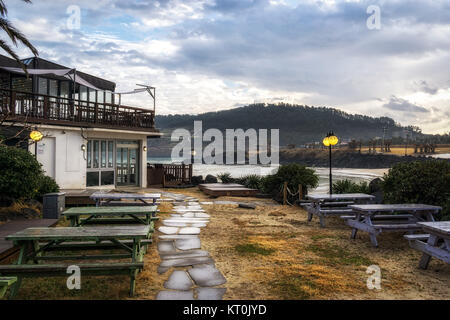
x=329 y=141
x=36 y=136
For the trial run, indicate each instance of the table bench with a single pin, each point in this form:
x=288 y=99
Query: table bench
x=102 y=199
x=111 y=215
x=5 y=283
x=323 y=205
x=375 y=218
x=434 y=244
x=35 y=243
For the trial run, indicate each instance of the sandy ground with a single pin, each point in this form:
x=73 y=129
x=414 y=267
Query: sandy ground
x=274 y=253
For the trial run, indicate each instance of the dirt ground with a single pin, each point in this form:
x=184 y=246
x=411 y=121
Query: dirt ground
x=274 y=253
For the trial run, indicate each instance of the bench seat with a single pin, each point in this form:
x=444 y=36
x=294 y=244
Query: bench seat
x=5 y=283
x=91 y=245
x=420 y=237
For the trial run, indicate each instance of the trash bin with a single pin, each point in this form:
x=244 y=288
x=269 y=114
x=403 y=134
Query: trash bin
x=54 y=205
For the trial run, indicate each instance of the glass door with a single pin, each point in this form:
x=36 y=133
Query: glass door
x=127 y=164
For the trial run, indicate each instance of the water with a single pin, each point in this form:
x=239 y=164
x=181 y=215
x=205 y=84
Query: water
x=442 y=156
x=356 y=175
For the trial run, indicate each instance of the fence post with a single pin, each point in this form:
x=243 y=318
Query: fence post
x=285 y=193
x=164 y=178
x=300 y=192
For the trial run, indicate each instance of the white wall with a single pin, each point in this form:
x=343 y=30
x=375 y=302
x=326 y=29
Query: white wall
x=69 y=159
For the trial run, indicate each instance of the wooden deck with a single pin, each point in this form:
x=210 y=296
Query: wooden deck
x=230 y=190
x=6 y=247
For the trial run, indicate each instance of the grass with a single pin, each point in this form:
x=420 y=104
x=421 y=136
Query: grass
x=251 y=248
x=334 y=255
x=293 y=287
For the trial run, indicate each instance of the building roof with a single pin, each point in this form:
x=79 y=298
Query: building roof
x=40 y=63
x=8 y=62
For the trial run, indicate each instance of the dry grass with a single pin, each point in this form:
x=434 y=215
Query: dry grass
x=274 y=253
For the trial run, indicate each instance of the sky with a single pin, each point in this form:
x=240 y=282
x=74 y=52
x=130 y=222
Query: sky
x=210 y=55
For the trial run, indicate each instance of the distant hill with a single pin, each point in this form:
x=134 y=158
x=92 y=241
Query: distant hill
x=298 y=124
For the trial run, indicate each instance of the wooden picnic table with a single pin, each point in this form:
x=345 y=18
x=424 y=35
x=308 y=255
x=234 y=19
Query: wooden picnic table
x=375 y=218
x=141 y=214
x=435 y=243
x=36 y=243
x=101 y=198
x=323 y=204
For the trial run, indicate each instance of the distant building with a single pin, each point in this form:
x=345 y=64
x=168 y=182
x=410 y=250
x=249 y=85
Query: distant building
x=90 y=140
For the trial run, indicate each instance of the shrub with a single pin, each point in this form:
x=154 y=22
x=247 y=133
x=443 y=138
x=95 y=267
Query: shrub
x=348 y=186
x=225 y=177
x=252 y=181
x=426 y=182
x=20 y=173
x=47 y=185
x=294 y=174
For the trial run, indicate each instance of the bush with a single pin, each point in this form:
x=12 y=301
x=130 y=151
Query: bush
x=20 y=173
x=252 y=181
x=294 y=174
x=21 y=176
x=226 y=177
x=426 y=182
x=348 y=186
x=47 y=185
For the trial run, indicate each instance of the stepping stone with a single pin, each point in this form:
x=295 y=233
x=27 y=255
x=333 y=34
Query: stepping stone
x=175 y=295
x=184 y=262
x=188 y=244
x=210 y=293
x=207 y=202
x=178 y=280
x=175 y=215
x=168 y=230
x=177 y=236
x=198 y=225
x=183 y=255
x=201 y=215
x=166 y=247
x=199 y=266
x=225 y=202
x=188 y=220
x=207 y=277
x=174 y=223
x=189 y=230
x=195 y=215
x=247 y=206
x=162 y=270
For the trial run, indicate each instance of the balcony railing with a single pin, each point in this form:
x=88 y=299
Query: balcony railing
x=39 y=108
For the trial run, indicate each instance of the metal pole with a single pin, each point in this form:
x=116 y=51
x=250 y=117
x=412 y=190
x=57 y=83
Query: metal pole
x=35 y=150
x=331 y=176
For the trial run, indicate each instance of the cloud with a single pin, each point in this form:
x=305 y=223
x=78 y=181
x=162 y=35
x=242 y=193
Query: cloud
x=402 y=105
x=208 y=55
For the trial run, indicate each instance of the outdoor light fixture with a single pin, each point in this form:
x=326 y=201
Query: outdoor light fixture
x=145 y=148
x=329 y=141
x=36 y=135
x=83 y=147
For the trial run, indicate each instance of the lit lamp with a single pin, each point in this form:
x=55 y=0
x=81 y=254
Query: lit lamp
x=36 y=136
x=329 y=141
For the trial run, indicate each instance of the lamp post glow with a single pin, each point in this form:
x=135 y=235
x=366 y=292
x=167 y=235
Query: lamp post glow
x=329 y=141
x=36 y=136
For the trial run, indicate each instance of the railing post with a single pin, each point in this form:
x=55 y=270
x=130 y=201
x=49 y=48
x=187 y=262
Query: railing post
x=95 y=112
x=12 y=103
x=45 y=111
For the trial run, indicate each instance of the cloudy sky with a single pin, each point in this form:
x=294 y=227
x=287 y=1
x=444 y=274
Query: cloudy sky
x=207 y=55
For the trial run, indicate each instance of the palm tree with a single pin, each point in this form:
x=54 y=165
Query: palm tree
x=14 y=35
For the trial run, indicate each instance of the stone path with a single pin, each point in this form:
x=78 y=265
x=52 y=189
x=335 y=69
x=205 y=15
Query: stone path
x=193 y=273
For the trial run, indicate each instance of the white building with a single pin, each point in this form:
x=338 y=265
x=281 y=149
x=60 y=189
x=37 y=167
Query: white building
x=90 y=140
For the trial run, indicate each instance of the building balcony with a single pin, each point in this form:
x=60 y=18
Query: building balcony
x=32 y=108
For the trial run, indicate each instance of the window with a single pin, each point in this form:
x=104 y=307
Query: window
x=100 y=96
x=53 y=88
x=83 y=93
x=42 y=86
x=64 y=89
x=100 y=163
x=108 y=97
x=92 y=95
x=103 y=154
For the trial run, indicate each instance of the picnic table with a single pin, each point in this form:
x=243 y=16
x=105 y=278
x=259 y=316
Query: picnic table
x=36 y=243
x=323 y=204
x=101 y=198
x=435 y=243
x=376 y=218
x=144 y=215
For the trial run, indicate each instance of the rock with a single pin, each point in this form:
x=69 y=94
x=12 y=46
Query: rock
x=175 y=295
x=210 y=179
x=207 y=277
x=196 y=180
x=178 y=280
x=247 y=206
x=210 y=293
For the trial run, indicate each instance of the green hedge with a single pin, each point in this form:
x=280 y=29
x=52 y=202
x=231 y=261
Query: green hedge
x=426 y=182
x=21 y=175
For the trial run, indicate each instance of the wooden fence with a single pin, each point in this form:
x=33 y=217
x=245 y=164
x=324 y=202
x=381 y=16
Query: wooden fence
x=169 y=174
